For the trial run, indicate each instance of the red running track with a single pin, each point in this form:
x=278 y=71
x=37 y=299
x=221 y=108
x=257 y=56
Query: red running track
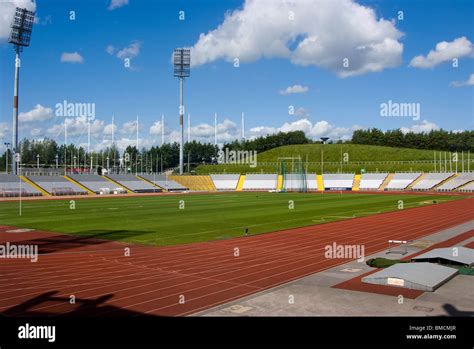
x=184 y=279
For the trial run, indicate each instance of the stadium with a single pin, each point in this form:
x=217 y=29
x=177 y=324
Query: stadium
x=195 y=243
x=239 y=159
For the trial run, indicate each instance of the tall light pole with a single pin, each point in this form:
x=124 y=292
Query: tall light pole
x=182 y=69
x=20 y=36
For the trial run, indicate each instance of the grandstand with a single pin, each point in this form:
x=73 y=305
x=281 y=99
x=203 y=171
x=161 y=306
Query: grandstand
x=372 y=181
x=431 y=180
x=402 y=180
x=137 y=185
x=338 y=181
x=261 y=181
x=57 y=185
x=225 y=181
x=163 y=182
x=79 y=184
x=11 y=185
x=197 y=183
x=467 y=188
x=96 y=183
x=458 y=181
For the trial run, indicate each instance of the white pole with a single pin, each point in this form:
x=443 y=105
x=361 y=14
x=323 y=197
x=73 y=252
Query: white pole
x=15 y=111
x=65 y=147
x=462 y=159
x=434 y=154
x=181 y=112
x=113 y=129
x=162 y=129
x=137 y=132
x=243 y=126
x=215 y=128
x=88 y=135
x=456 y=162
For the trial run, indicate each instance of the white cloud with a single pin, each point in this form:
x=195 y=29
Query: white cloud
x=7 y=10
x=323 y=33
x=130 y=127
x=444 y=51
x=301 y=112
x=468 y=82
x=114 y=4
x=4 y=129
x=109 y=129
x=110 y=49
x=131 y=51
x=5 y=135
x=316 y=130
x=38 y=113
x=71 y=57
x=36 y=131
x=156 y=128
x=123 y=143
x=424 y=127
x=227 y=130
x=294 y=89
x=262 y=131
x=76 y=127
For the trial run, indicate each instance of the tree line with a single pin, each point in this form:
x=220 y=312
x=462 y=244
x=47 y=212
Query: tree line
x=268 y=142
x=433 y=140
x=48 y=152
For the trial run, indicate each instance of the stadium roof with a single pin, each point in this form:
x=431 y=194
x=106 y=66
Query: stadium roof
x=459 y=255
x=417 y=276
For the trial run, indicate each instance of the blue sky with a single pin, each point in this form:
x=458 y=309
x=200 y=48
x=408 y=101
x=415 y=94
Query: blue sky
x=333 y=104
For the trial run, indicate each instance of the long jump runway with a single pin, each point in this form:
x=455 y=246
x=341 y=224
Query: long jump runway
x=77 y=276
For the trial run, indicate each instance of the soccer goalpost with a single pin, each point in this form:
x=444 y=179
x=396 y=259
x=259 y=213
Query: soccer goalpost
x=293 y=173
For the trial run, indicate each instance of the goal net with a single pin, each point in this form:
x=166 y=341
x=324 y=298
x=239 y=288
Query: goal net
x=293 y=174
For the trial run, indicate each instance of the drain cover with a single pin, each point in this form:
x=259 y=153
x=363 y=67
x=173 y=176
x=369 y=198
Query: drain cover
x=425 y=309
x=350 y=270
x=238 y=309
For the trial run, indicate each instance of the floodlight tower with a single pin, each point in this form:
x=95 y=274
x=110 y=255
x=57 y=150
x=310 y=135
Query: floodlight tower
x=20 y=36
x=182 y=69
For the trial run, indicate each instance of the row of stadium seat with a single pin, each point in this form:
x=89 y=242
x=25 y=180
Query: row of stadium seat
x=80 y=184
x=56 y=185
x=13 y=186
x=345 y=181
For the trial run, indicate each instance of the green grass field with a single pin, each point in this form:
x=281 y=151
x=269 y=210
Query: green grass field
x=369 y=157
x=158 y=220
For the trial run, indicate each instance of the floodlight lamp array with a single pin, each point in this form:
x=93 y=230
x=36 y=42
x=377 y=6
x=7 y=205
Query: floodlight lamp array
x=182 y=62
